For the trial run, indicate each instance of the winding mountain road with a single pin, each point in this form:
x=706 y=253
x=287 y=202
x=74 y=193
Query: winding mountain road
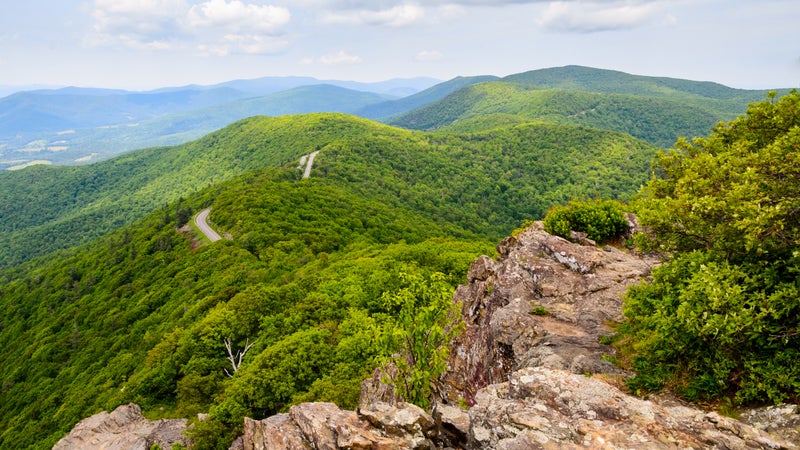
x=201 y=220
x=309 y=163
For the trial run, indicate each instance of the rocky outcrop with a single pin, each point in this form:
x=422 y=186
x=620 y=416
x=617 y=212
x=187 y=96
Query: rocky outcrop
x=541 y=408
x=123 y=428
x=533 y=371
x=529 y=372
x=545 y=303
x=324 y=426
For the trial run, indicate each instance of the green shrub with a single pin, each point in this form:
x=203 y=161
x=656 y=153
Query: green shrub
x=601 y=220
x=720 y=318
x=539 y=311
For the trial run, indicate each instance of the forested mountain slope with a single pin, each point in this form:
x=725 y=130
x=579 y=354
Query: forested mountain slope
x=386 y=110
x=700 y=93
x=143 y=314
x=312 y=277
x=95 y=136
x=486 y=182
x=658 y=119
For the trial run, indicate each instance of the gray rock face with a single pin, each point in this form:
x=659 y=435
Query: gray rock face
x=323 y=426
x=779 y=420
x=555 y=409
x=545 y=303
x=123 y=428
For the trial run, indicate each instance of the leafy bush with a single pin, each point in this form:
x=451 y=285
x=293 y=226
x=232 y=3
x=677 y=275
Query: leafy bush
x=601 y=220
x=426 y=319
x=721 y=317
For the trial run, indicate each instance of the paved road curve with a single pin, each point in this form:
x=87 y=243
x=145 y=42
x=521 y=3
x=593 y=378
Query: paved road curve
x=309 y=163
x=201 y=220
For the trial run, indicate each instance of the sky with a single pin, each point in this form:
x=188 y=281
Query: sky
x=146 y=44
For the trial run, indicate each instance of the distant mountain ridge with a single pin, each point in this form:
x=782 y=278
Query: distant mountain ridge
x=386 y=110
x=657 y=109
x=73 y=124
x=70 y=126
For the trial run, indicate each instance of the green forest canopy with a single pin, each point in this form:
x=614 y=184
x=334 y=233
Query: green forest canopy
x=722 y=318
x=141 y=315
x=312 y=275
x=487 y=182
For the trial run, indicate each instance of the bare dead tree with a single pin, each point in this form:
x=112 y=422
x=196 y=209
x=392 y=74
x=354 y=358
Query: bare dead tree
x=236 y=361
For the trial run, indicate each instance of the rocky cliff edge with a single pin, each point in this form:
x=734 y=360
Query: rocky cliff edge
x=530 y=372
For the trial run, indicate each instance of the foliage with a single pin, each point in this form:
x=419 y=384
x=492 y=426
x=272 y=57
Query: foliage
x=416 y=340
x=614 y=82
x=487 y=183
x=143 y=313
x=645 y=114
x=539 y=310
x=601 y=220
x=140 y=315
x=721 y=317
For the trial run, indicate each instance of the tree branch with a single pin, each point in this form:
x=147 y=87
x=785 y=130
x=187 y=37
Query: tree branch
x=236 y=360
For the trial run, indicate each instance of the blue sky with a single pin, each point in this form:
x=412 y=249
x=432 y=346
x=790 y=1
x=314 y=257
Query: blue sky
x=143 y=44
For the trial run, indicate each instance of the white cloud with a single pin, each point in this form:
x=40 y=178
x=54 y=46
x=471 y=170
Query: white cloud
x=137 y=24
x=341 y=57
x=428 y=55
x=588 y=17
x=387 y=4
x=216 y=27
x=397 y=16
x=237 y=16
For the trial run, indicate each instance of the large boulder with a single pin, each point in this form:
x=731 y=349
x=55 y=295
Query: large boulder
x=541 y=408
x=124 y=428
x=324 y=426
x=546 y=302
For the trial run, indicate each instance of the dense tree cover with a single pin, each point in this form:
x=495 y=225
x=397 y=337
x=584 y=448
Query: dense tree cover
x=494 y=176
x=140 y=315
x=319 y=276
x=601 y=220
x=490 y=182
x=696 y=93
x=385 y=111
x=80 y=203
x=722 y=316
x=657 y=120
